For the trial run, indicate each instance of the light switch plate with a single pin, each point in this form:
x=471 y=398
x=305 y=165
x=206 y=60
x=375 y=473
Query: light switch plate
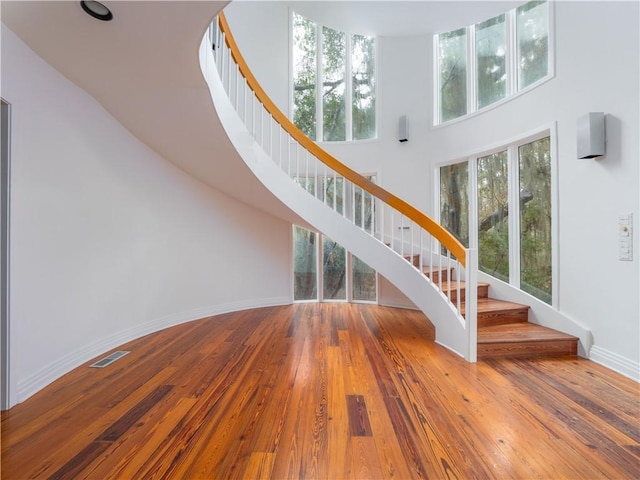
x=625 y=237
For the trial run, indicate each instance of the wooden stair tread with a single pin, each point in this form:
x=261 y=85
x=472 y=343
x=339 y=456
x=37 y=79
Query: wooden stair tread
x=491 y=305
x=520 y=332
x=452 y=285
x=503 y=327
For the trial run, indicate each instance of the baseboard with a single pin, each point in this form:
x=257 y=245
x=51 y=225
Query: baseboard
x=615 y=362
x=54 y=370
x=397 y=303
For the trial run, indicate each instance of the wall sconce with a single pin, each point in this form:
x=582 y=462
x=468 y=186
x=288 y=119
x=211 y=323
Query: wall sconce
x=403 y=129
x=591 y=135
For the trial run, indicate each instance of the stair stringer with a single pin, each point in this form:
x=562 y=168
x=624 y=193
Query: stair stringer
x=450 y=328
x=540 y=313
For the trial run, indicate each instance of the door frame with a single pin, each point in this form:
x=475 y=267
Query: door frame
x=7 y=391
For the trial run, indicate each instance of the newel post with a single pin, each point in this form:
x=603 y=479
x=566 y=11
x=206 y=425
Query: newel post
x=471 y=304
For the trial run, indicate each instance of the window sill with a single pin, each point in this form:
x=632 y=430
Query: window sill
x=497 y=104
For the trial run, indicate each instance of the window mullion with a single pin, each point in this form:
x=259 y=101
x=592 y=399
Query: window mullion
x=512 y=54
x=436 y=80
x=348 y=89
x=472 y=70
x=320 y=266
x=348 y=284
x=319 y=83
x=514 y=216
x=472 y=170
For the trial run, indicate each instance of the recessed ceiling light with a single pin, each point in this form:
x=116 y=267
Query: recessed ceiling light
x=97 y=10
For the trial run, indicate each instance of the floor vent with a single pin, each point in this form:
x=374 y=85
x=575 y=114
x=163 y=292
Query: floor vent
x=108 y=360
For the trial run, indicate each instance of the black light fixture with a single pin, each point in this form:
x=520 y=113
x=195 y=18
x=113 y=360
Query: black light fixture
x=97 y=10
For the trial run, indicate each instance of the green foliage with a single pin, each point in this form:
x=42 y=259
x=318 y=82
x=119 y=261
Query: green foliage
x=533 y=42
x=454 y=200
x=334 y=82
x=304 y=78
x=304 y=264
x=530 y=53
x=453 y=74
x=493 y=211
x=364 y=281
x=363 y=85
x=334 y=269
x=534 y=166
x=333 y=101
x=491 y=60
x=535 y=219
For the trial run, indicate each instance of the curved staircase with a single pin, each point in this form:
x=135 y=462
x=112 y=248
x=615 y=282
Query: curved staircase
x=503 y=327
x=284 y=159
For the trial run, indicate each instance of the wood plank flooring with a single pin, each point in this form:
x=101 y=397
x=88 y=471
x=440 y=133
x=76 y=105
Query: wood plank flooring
x=330 y=391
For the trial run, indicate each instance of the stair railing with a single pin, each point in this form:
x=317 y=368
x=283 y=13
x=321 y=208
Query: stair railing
x=409 y=232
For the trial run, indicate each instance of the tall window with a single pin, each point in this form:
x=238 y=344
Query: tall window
x=479 y=65
x=493 y=215
x=341 y=276
x=304 y=75
x=491 y=61
x=453 y=74
x=334 y=270
x=535 y=218
x=533 y=42
x=524 y=260
x=454 y=200
x=305 y=264
x=334 y=92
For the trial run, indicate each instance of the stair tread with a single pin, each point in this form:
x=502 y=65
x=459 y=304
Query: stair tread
x=492 y=305
x=463 y=285
x=520 y=332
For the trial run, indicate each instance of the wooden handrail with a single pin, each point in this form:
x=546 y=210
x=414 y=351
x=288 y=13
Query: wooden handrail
x=409 y=211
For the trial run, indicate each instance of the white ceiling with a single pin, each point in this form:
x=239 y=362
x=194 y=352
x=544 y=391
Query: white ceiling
x=143 y=68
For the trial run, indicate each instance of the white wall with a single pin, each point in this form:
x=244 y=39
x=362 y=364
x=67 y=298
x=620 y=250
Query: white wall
x=597 y=69
x=110 y=241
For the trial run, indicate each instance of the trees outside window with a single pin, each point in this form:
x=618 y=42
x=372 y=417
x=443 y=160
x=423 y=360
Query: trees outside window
x=453 y=74
x=341 y=277
x=479 y=65
x=535 y=218
x=500 y=212
x=533 y=42
x=304 y=75
x=454 y=200
x=493 y=215
x=363 y=87
x=305 y=283
x=334 y=93
x=491 y=61
x=333 y=85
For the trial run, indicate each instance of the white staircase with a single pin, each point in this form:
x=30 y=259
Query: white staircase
x=293 y=168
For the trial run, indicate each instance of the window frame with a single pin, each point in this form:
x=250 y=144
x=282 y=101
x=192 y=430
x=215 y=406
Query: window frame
x=348 y=83
x=511 y=145
x=319 y=256
x=512 y=91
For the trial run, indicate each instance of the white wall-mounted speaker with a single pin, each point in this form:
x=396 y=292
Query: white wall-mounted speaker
x=403 y=129
x=591 y=135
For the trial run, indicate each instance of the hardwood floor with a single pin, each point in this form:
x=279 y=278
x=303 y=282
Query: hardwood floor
x=323 y=391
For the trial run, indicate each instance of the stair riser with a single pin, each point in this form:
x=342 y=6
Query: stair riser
x=437 y=275
x=483 y=292
x=528 y=349
x=487 y=319
x=416 y=260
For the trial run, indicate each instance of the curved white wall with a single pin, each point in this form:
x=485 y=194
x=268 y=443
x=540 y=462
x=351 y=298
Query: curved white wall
x=597 y=69
x=109 y=241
